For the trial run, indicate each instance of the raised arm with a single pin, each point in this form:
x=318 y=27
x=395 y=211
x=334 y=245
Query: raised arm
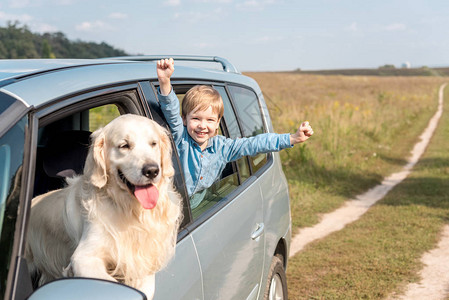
x=167 y=98
x=266 y=142
x=165 y=69
x=233 y=149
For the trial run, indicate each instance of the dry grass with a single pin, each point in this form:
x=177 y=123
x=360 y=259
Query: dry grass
x=364 y=128
x=379 y=254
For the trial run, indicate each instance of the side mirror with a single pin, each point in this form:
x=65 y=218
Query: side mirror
x=86 y=288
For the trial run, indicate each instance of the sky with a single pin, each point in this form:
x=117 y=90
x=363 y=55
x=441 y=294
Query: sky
x=255 y=35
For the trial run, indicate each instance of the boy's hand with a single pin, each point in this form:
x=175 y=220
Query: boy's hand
x=303 y=133
x=165 y=69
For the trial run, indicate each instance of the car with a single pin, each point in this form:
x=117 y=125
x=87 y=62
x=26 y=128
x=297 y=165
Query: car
x=234 y=245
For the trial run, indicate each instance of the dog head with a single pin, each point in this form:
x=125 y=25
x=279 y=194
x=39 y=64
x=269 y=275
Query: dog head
x=133 y=153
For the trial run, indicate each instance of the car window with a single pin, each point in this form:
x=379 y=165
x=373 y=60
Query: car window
x=209 y=197
x=63 y=143
x=11 y=160
x=234 y=172
x=232 y=126
x=250 y=117
x=102 y=115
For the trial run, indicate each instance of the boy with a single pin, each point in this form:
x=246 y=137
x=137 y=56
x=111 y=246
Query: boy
x=203 y=153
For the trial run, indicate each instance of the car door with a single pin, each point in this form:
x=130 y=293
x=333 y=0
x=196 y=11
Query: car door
x=230 y=248
x=181 y=278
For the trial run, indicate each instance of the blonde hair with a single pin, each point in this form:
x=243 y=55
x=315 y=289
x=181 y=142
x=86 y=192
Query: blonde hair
x=201 y=97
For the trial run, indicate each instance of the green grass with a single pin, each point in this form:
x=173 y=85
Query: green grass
x=380 y=253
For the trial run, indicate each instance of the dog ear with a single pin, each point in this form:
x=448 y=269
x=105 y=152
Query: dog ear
x=95 y=163
x=166 y=151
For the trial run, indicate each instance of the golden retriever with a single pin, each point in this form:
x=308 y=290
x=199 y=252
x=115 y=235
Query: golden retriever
x=118 y=221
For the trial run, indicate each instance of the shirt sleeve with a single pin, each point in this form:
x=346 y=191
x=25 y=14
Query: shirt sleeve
x=234 y=149
x=170 y=109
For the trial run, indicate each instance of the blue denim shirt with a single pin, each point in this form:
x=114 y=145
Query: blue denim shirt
x=202 y=168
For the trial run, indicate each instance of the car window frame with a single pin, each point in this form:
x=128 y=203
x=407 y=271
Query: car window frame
x=18 y=267
x=70 y=104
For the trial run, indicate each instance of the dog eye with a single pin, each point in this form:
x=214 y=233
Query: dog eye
x=153 y=144
x=124 y=146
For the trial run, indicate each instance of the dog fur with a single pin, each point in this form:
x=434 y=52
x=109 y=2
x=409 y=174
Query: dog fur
x=95 y=227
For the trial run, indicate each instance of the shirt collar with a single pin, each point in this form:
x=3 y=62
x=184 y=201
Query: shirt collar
x=210 y=144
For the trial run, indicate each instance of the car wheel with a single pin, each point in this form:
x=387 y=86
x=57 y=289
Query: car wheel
x=277 y=281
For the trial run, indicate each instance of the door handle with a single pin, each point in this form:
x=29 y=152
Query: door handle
x=258 y=232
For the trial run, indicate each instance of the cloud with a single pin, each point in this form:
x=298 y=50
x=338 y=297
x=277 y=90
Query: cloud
x=172 y=2
x=191 y=16
x=256 y=5
x=250 y=4
x=214 y=1
x=268 y=39
x=23 y=18
x=43 y=28
x=94 y=26
x=118 y=16
x=29 y=21
x=353 y=27
x=64 y=2
x=38 y=3
x=395 y=27
x=195 y=16
x=204 y=45
x=19 y=3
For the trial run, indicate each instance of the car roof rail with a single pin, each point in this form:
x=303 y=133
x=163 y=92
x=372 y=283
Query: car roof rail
x=227 y=66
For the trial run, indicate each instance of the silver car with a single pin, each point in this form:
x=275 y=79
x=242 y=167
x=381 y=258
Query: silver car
x=233 y=246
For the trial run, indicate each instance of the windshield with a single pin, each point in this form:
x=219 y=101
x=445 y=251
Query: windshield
x=11 y=160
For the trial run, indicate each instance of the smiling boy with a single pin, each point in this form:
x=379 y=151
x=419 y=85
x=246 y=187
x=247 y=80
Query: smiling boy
x=203 y=153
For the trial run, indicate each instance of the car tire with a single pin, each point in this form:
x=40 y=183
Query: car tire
x=276 y=288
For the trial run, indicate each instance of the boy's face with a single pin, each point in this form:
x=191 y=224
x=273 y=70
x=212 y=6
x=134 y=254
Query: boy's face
x=201 y=125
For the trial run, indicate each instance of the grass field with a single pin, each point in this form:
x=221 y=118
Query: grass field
x=364 y=129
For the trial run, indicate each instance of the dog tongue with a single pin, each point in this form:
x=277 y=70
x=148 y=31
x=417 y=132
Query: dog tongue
x=147 y=196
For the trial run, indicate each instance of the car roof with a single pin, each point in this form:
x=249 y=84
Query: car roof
x=19 y=68
x=38 y=81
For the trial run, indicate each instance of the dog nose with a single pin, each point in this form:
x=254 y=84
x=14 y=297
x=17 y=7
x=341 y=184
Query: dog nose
x=150 y=170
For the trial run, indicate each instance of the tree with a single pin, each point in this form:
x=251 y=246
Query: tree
x=46 y=50
x=18 y=41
